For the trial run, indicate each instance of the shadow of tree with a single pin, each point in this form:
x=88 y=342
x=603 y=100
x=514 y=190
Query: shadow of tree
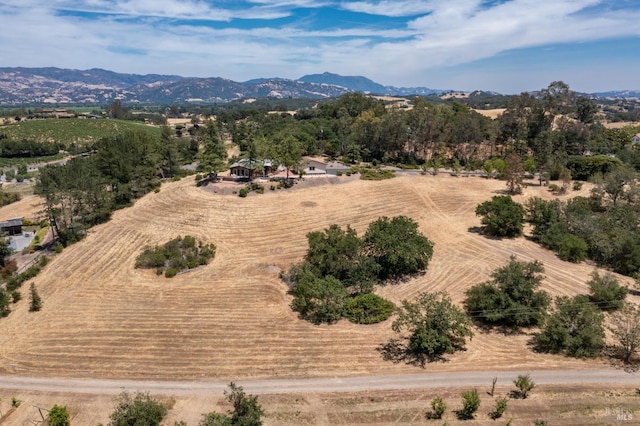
x=395 y=351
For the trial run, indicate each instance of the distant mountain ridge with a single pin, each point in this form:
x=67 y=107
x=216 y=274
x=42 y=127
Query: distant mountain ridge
x=23 y=86
x=57 y=86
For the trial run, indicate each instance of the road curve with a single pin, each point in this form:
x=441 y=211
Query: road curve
x=345 y=384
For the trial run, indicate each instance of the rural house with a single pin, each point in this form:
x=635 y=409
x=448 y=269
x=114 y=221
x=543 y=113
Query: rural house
x=636 y=138
x=312 y=166
x=12 y=226
x=249 y=169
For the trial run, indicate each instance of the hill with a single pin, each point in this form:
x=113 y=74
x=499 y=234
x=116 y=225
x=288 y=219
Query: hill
x=231 y=318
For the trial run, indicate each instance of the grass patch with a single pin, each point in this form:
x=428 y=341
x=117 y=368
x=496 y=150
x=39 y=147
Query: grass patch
x=176 y=255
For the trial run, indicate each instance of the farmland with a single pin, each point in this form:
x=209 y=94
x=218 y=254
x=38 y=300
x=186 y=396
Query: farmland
x=71 y=130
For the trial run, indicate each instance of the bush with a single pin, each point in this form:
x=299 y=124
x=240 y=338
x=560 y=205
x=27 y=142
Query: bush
x=140 y=409
x=243 y=192
x=554 y=188
x=36 y=301
x=438 y=407
x=319 y=299
x=572 y=248
x=577 y=185
x=59 y=416
x=501 y=407
x=16 y=296
x=524 y=385
x=368 y=308
x=470 y=404
x=376 y=174
x=176 y=255
x=606 y=292
x=339 y=173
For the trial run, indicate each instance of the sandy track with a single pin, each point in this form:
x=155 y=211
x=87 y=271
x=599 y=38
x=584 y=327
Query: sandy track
x=102 y=318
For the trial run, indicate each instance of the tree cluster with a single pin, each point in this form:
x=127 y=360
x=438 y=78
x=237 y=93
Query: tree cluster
x=86 y=190
x=176 y=255
x=339 y=265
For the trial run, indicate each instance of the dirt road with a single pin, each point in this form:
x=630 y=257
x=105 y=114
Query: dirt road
x=348 y=384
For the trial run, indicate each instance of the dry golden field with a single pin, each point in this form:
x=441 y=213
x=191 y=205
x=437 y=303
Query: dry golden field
x=231 y=319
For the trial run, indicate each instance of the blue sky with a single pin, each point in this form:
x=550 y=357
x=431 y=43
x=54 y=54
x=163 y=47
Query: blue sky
x=504 y=45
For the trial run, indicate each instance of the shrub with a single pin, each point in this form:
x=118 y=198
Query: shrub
x=572 y=248
x=577 y=185
x=348 y=173
x=176 y=255
x=606 y=292
x=376 y=174
x=554 y=188
x=141 y=409
x=16 y=296
x=243 y=192
x=524 y=385
x=339 y=173
x=58 y=248
x=368 y=308
x=438 y=407
x=59 y=416
x=501 y=407
x=36 y=301
x=470 y=404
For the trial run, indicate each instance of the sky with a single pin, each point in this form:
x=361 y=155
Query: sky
x=507 y=46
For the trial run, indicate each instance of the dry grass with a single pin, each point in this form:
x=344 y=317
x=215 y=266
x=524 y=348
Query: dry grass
x=558 y=405
x=231 y=319
x=29 y=207
x=491 y=113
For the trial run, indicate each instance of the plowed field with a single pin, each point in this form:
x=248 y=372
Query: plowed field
x=231 y=319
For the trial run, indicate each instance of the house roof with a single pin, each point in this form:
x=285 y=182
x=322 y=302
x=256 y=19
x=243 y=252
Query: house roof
x=251 y=164
x=16 y=221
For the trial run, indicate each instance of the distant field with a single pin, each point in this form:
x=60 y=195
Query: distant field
x=72 y=130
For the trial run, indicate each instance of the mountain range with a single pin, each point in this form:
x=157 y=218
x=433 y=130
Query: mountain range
x=56 y=86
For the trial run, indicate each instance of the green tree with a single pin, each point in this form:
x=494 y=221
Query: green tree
x=35 y=300
x=140 y=409
x=246 y=410
x=606 y=292
x=510 y=298
x=575 y=327
x=524 y=385
x=432 y=326
x=625 y=328
x=5 y=251
x=288 y=152
x=317 y=299
x=59 y=416
x=502 y=216
x=470 y=404
x=339 y=253
x=397 y=246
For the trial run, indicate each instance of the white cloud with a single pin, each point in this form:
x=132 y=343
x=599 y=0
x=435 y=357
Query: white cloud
x=450 y=32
